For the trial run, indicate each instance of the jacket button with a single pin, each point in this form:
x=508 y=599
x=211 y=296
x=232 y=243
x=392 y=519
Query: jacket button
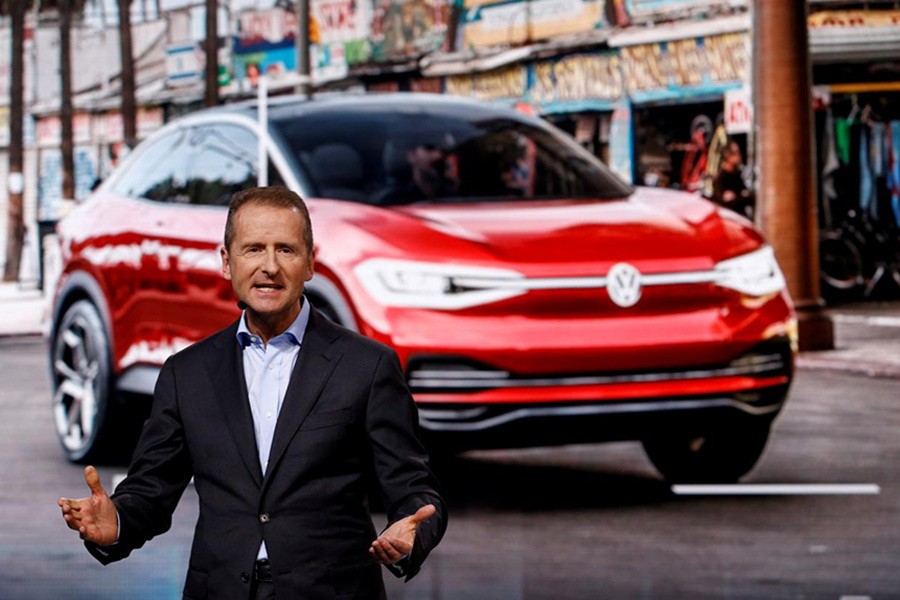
x=264 y=518
x=245 y=577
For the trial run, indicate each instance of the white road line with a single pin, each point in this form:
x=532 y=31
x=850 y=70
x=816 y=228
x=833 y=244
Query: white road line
x=780 y=489
x=879 y=321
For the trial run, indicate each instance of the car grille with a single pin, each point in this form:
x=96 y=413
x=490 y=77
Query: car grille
x=448 y=376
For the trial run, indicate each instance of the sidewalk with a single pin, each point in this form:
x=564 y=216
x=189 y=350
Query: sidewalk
x=867 y=335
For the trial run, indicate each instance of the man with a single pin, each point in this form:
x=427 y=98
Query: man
x=423 y=171
x=728 y=186
x=279 y=419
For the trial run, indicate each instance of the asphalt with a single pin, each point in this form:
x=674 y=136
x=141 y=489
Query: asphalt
x=867 y=334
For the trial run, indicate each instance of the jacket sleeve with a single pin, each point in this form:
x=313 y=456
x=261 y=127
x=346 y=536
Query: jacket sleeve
x=400 y=461
x=160 y=471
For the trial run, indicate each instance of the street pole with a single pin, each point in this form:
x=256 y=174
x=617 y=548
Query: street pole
x=786 y=185
x=67 y=145
x=304 y=82
x=15 y=236
x=126 y=58
x=211 y=46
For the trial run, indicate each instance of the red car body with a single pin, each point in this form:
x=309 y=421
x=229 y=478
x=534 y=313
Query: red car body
x=502 y=312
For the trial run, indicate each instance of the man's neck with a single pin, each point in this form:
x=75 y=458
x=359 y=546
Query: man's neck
x=269 y=326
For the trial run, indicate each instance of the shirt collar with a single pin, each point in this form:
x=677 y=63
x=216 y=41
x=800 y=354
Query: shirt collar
x=293 y=334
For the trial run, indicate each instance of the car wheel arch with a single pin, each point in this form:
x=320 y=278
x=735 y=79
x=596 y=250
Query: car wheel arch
x=81 y=285
x=321 y=288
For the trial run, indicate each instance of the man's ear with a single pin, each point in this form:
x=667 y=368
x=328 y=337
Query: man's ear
x=312 y=265
x=226 y=272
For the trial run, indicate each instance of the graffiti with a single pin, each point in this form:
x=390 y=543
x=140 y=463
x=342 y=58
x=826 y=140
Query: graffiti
x=408 y=28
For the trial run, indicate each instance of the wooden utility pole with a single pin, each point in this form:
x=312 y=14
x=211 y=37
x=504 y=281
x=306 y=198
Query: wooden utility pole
x=126 y=57
x=67 y=144
x=304 y=85
x=15 y=236
x=211 y=46
x=786 y=186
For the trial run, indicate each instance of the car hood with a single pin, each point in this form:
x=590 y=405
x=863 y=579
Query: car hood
x=649 y=225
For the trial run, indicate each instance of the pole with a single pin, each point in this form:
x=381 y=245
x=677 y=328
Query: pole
x=304 y=82
x=129 y=104
x=211 y=46
x=67 y=145
x=786 y=186
x=16 y=181
x=262 y=101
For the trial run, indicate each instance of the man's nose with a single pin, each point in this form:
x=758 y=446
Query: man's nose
x=270 y=261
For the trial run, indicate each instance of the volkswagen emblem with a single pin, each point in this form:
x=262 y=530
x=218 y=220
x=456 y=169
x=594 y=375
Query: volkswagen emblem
x=623 y=284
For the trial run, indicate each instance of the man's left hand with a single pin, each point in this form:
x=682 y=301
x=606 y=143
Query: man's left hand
x=396 y=541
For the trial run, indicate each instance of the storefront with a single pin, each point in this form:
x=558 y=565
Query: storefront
x=857 y=102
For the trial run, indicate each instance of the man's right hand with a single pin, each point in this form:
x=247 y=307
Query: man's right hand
x=94 y=517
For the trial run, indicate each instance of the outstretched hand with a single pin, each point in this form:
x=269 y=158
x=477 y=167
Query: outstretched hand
x=94 y=517
x=396 y=541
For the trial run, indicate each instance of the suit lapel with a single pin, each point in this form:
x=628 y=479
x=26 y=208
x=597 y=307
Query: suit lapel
x=314 y=366
x=227 y=369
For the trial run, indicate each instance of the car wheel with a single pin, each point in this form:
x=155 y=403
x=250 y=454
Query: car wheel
x=81 y=380
x=723 y=454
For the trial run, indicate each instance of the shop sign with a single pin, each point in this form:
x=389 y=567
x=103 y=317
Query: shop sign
x=639 y=8
x=408 y=28
x=577 y=78
x=147 y=120
x=264 y=44
x=341 y=20
x=521 y=21
x=329 y=60
x=855 y=18
x=685 y=67
x=500 y=84
x=184 y=63
x=738 y=111
x=49 y=132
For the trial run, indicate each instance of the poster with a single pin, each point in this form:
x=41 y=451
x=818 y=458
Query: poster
x=409 y=28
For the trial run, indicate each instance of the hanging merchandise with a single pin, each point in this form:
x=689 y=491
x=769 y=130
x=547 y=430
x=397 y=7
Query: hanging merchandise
x=894 y=172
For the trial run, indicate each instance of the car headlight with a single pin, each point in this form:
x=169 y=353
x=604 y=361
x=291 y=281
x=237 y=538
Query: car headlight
x=753 y=274
x=395 y=282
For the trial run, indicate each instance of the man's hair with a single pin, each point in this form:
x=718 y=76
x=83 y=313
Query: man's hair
x=276 y=196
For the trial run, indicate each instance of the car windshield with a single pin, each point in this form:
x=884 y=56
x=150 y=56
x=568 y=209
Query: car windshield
x=386 y=156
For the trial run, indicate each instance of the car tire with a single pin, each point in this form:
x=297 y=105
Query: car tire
x=81 y=373
x=722 y=454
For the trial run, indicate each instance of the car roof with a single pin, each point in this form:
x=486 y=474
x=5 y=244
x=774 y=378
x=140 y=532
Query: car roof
x=294 y=106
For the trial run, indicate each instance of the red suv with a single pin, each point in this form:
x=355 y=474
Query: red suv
x=533 y=298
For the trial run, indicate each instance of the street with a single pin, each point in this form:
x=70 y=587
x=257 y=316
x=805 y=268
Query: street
x=579 y=522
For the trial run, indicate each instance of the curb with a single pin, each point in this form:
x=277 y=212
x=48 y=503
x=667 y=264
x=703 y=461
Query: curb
x=878 y=370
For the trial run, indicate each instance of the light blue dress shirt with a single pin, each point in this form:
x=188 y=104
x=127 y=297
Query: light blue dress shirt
x=267 y=370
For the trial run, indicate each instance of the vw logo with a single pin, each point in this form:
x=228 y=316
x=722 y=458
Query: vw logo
x=623 y=284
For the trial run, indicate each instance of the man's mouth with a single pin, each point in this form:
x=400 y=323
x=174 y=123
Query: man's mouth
x=267 y=287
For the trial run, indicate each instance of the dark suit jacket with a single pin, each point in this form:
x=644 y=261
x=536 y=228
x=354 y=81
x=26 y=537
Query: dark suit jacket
x=347 y=413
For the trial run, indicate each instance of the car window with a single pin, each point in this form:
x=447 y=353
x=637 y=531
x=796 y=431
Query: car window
x=158 y=171
x=197 y=165
x=387 y=156
x=222 y=161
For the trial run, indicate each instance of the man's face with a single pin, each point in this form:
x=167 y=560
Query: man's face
x=427 y=159
x=268 y=263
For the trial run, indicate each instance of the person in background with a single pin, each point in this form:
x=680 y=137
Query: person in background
x=729 y=189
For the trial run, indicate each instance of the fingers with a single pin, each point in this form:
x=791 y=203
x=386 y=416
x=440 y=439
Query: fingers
x=93 y=480
x=385 y=552
x=422 y=514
